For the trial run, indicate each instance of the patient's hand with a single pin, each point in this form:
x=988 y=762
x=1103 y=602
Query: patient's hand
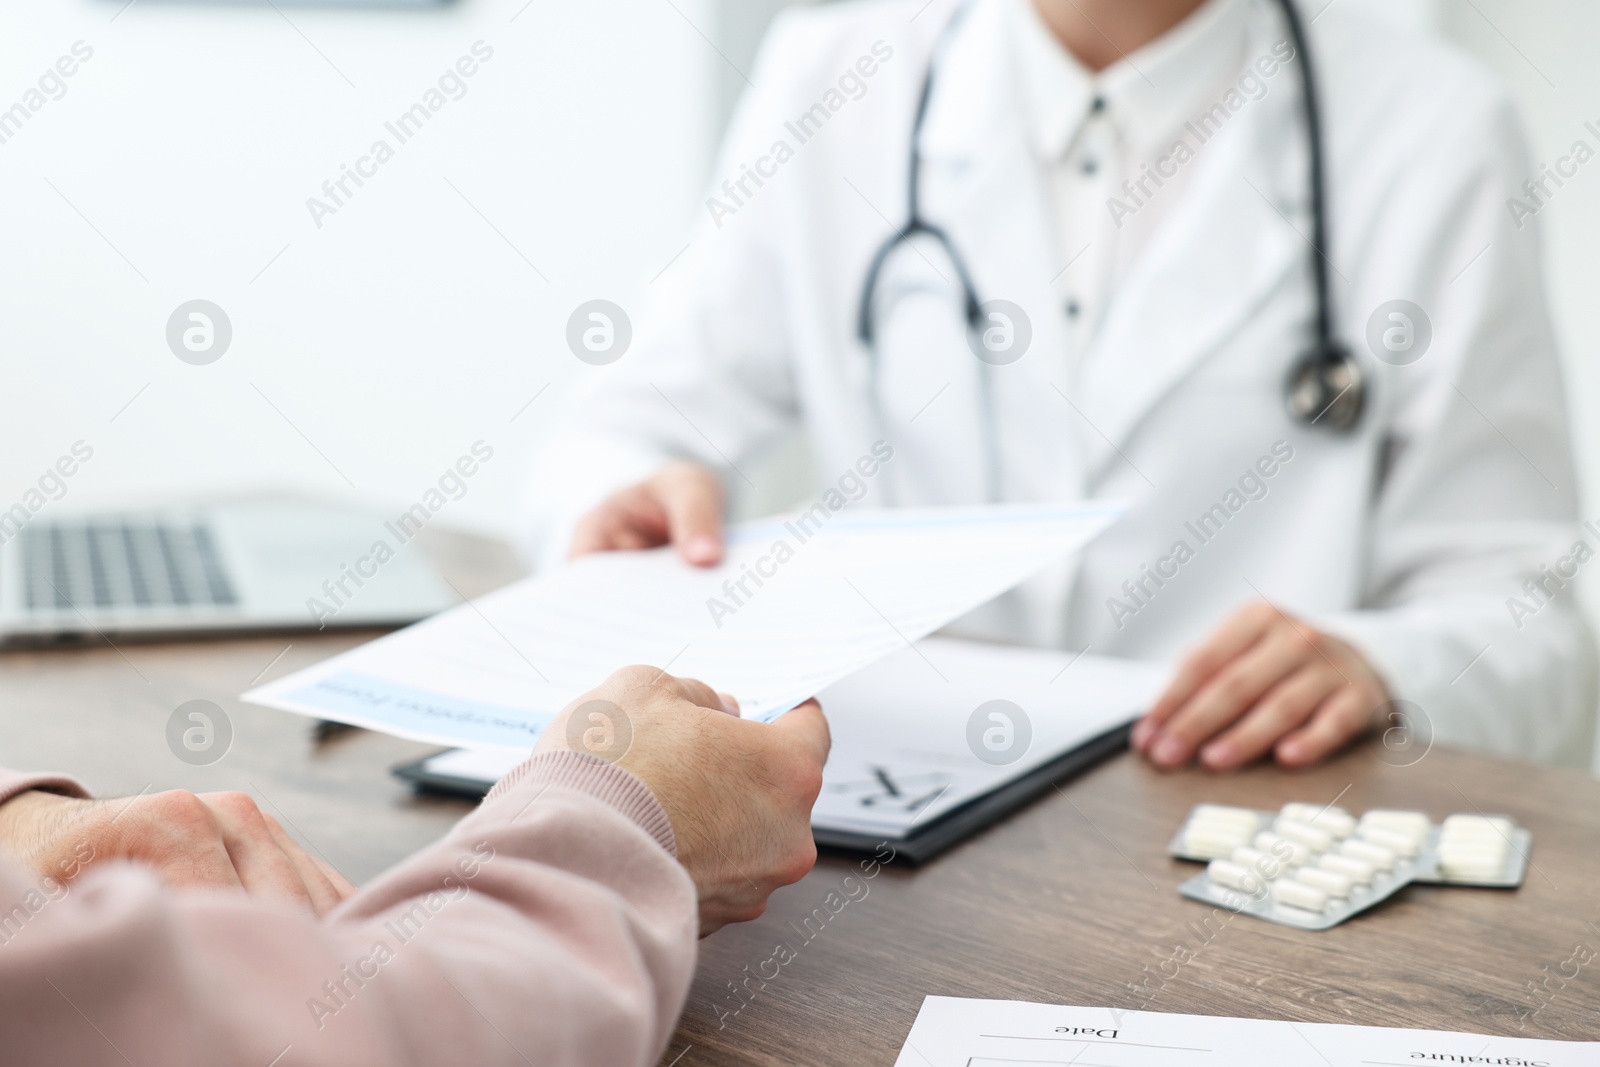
x=209 y=841
x=1262 y=682
x=738 y=792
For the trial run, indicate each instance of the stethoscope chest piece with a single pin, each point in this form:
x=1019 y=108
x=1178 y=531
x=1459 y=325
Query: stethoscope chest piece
x=1326 y=388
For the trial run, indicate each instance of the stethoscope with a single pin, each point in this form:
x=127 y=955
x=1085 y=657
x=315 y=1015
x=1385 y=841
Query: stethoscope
x=1325 y=386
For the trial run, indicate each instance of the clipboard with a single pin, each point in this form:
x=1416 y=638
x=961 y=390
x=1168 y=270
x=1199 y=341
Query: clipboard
x=953 y=827
x=912 y=765
x=924 y=843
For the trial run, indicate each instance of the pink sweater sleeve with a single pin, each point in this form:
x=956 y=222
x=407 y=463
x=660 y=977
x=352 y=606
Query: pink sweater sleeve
x=552 y=926
x=14 y=782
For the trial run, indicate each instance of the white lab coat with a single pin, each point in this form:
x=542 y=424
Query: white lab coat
x=1408 y=537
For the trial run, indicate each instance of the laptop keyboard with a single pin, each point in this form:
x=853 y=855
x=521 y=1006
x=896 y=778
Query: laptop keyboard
x=122 y=565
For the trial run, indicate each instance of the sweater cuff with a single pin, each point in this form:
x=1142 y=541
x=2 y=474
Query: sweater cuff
x=601 y=779
x=14 y=782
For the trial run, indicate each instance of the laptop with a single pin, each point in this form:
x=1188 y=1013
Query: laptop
x=228 y=567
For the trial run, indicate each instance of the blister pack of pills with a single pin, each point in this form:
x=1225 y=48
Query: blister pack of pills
x=1313 y=866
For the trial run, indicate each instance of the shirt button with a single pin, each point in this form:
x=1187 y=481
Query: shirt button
x=1097 y=105
x=1072 y=309
x=1090 y=166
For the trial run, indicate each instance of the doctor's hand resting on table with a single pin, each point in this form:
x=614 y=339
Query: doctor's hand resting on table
x=555 y=924
x=1261 y=683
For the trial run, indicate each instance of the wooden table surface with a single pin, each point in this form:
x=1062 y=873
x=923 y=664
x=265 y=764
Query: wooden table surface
x=1072 y=901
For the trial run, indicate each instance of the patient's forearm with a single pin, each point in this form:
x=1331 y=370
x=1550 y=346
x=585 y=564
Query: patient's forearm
x=554 y=925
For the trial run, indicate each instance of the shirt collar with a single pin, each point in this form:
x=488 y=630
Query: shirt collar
x=1148 y=94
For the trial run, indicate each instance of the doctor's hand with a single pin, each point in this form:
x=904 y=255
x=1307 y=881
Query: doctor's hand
x=680 y=504
x=1261 y=682
x=737 y=792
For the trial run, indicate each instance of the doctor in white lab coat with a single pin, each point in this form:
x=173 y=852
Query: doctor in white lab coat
x=1131 y=177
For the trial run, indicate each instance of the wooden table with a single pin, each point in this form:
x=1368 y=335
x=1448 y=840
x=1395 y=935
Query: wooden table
x=1072 y=901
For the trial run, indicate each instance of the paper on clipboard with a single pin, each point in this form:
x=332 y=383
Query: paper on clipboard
x=910 y=732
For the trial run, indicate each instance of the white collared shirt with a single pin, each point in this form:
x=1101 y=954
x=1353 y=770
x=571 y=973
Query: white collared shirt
x=1095 y=131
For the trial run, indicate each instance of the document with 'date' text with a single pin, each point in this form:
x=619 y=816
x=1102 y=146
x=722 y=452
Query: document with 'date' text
x=955 y=1032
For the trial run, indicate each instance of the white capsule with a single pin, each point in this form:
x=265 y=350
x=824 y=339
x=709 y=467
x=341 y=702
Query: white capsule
x=1336 y=821
x=1475 y=847
x=1291 y=852
x=1468 y=827
x=1330 y=882
x=1214 y=831
x=1358 y=871
x=1306 y=834
x=1400 y=843
x=1263 y=863
x=1212 y=842
x=1415 y=823
x=1481 y=863
x=1299 y=895
x=1228 y=873
x=1380 y=857
x=1412 y=825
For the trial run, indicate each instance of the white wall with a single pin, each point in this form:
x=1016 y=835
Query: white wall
x=376 y=348
x=407 y=327
x=1544 y=51
x=402 y=330
x=178 y=163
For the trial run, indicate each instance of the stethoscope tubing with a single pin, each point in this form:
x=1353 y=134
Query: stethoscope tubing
x=1328 y=361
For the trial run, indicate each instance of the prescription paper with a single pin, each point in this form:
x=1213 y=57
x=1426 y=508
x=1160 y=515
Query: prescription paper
x=952 y=1032
x=797 y=604
x=902 y=753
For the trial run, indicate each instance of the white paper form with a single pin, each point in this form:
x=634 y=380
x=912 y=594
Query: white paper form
x=952 y=1032
x=797 y=604
x=905 y=749
x=902 y=753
